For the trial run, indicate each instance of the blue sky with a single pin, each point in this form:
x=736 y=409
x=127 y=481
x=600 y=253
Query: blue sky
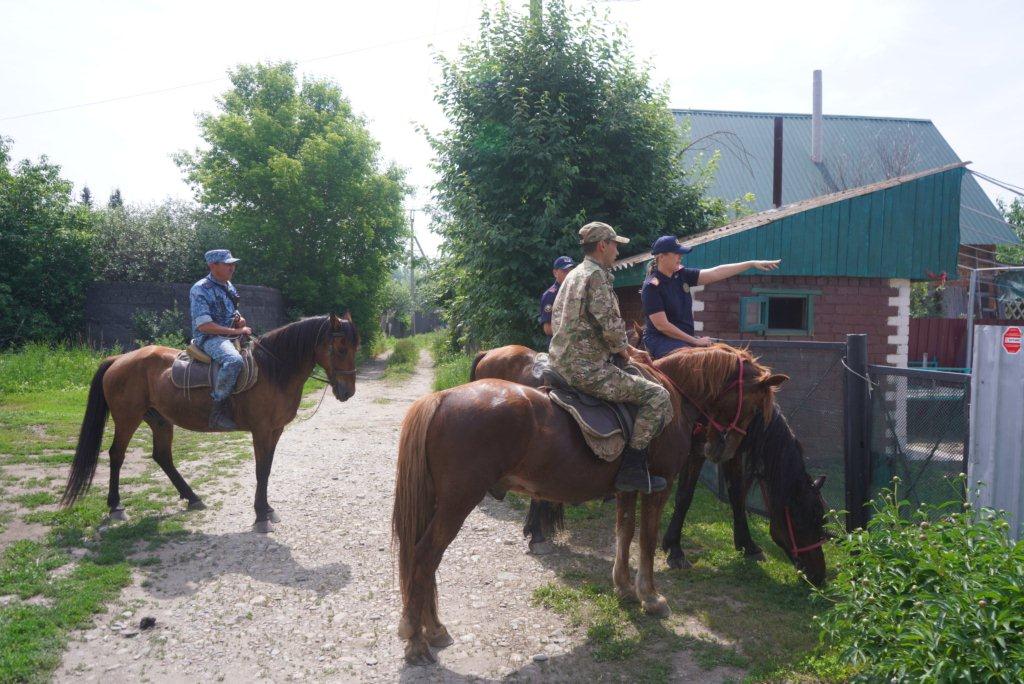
x=956 y=63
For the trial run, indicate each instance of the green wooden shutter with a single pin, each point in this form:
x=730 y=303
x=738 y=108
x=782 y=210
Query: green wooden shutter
x=754 y=314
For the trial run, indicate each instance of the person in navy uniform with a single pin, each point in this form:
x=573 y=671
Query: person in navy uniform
x=559 y=270
x=668 y=306
x=215 y=323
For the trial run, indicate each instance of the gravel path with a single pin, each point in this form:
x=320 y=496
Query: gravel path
x=317 y=599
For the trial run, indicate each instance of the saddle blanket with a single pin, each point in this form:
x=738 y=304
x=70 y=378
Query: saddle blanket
x=187 y=373
x=606 y=426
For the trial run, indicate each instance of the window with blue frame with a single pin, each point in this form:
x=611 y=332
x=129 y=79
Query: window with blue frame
x=778 y=312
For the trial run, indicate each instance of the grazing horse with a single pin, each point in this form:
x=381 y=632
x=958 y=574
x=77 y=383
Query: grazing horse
x=771 y=455
x=137 y=386
x=769 y=452
x=493 y=434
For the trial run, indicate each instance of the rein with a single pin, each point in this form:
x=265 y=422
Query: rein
x=734 y=426
x=313 y=376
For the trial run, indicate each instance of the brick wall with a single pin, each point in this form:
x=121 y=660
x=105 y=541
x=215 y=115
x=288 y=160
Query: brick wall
x=876 y=306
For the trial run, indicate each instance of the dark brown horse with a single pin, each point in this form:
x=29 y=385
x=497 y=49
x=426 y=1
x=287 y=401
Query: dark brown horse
x=770 y=454
x=494 y=434
x=136 y=387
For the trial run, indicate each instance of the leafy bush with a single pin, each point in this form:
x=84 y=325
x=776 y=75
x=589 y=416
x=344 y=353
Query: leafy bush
x=934 y=594
x=160 y=327
x=162 y=243
x=44 y=253
x=406 y=353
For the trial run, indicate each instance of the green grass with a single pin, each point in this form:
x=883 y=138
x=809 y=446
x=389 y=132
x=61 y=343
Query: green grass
x=42 y=397
x=762 y=612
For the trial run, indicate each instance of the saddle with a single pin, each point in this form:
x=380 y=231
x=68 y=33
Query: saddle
x=606 y=426
x=194 y=369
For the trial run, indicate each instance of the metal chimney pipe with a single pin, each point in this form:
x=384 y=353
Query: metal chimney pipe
x=777 y=166
x=816 y=120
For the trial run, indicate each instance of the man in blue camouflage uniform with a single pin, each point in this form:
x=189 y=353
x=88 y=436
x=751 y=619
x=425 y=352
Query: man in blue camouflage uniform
x=559 y=270
x=588 y=331
x=215 y=322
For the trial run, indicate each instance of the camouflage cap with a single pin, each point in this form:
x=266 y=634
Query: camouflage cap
x=596 y=231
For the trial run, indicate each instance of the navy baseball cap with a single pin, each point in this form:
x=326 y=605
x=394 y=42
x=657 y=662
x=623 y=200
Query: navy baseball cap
x=667 y=244
x=563 y=263
x=220 y=256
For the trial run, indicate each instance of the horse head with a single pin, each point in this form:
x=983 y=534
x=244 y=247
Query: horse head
x=728 y=386
x=796 y=508
x=336 y=354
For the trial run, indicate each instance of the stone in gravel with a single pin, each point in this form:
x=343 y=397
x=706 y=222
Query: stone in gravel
x=258 y=600
x=371 y=661
x=540 y=658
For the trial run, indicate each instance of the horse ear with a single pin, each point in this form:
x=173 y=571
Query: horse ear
x=347 y=316
x=819 y=482
x=774 y=380
x=335 y=321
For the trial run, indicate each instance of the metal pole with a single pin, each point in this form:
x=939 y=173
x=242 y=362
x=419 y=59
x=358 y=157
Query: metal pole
x=970 y=317
x=412 y=272
x=856 y=436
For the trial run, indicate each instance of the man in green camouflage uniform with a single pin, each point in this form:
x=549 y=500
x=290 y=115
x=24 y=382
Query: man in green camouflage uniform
x=588 y=330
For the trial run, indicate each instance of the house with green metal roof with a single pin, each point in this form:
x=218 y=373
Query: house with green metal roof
x=848 y=258
x=854 y=151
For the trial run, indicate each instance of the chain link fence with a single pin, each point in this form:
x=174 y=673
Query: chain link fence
x=920 y=430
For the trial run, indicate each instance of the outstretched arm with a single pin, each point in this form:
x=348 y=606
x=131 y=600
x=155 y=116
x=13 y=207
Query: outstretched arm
x=713 y=275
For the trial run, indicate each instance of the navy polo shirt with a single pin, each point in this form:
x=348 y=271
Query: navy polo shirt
x=547 y=302
x=670 y=294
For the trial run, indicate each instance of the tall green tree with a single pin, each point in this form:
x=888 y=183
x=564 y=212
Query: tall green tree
x=295 y=177
x=44 y=252
x=115 y=201
x=1013 y=213
x=552 y=124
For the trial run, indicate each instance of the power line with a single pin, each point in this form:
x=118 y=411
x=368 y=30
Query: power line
x=1005 y=185
x=194 y=84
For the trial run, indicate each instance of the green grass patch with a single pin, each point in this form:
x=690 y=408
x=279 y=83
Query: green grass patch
x=452 y=372
x=43 y=368
x=36 y=499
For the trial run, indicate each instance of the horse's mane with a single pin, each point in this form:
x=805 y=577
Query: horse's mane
x=710 y=368
x=291 y=345
x=771 y=450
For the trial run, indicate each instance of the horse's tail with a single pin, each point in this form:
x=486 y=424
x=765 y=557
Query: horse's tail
x=414 y=487
x=90 y=437
x=476 y=362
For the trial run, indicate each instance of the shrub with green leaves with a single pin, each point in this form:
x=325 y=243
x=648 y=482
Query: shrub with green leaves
x=935 y=594
x=165 y=327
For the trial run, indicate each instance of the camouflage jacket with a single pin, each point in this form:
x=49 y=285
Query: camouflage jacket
x=586 y=322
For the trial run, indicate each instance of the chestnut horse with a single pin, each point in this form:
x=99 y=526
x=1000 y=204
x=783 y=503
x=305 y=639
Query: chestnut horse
x=770 y=454
x=459 y=443
x=136 y=387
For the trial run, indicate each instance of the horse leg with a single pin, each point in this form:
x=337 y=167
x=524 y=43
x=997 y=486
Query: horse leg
x=263 y=445
x=738 y=500
x=625 y=524
x=541 y=521
x=123 y=431
x=420 y=624
x=650 y=517
x=671 y=542
x=163 y=438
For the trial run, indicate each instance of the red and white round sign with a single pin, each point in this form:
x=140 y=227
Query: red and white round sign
x=1011 y=340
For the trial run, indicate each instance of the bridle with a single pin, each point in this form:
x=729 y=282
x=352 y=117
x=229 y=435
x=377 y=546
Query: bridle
x=723 y=430
x=331 y=335
x=795 y=550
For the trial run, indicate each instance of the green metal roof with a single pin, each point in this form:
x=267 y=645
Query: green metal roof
x=903 y=227
x=857 y=150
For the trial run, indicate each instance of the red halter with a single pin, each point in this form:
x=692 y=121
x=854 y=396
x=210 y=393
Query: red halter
x=734 y=426
x=793 y=548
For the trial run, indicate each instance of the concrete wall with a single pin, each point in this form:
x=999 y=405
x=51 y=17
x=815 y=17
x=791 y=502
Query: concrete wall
x=876 y=306
x=110 y=307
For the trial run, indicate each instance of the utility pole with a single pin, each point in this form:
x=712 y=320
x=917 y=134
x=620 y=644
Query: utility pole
x=412 y=271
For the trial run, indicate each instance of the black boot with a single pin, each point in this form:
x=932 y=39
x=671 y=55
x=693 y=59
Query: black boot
x=220 y=416
x=633 y=475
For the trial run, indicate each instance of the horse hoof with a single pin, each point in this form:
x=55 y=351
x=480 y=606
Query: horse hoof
x=417 y=652
x=756 y=556
x=542 y=548
x=657 y=607
x=441 y=639
x=626 y=594
x=196 y=505
x=117 y=514
x=679 y=563
x=263 y=526
x=274 y=517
